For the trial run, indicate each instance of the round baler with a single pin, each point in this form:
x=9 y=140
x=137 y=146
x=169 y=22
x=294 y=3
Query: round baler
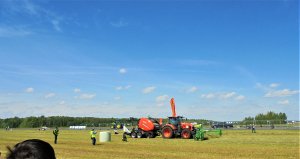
x=147 y=127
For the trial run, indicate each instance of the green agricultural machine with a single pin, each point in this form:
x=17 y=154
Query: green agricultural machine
x=201 y=134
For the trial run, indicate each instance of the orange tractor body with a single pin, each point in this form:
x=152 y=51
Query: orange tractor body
x=176 y=126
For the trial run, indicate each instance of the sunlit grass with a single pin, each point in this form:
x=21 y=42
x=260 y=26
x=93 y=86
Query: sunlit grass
x=233 y=144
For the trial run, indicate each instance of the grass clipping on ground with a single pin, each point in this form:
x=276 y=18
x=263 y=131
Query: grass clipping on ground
x=76 y=144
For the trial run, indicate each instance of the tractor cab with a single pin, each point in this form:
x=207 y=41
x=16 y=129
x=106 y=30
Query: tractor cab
x=179 y=123
x=175 y=120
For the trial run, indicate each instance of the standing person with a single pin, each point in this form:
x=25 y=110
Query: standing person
x=93 y=136
x=55 y=133
x=253 y=128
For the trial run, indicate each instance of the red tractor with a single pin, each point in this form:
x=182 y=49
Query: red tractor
x=176 y=126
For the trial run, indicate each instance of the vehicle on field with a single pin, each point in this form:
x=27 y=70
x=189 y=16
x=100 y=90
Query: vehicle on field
x=176 y=127
x=147 y=127
x=225 y=125
x=117 y=125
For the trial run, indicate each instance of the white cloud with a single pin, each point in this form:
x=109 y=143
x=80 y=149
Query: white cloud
x=162 y=98
x=29 y=90
x=240 y=97
x=56 y=25
x=13 y=32
x=123 y=71
x=284 y=102
x=62 y=102
x=117 y=98
x=259 y=85
x=87 y=96
x=197 y=62
x=28 y=8
x=160 y=104
x=119 y=24
x=208 y=96
x=192 y=89
x=77 y=90
x=227 y=95
x=104 y=109
x=245 y=72
x=119 y=88
x=127 y=87
x=263 y=87
x=274 y=85
x=31 y=8
x=49 y=95
x=266 y=87
x=223 y=96
x=281 y=93
x=148 y=90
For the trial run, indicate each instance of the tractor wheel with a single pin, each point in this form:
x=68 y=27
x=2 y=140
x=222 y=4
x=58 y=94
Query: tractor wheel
x=133 y=135
x=186 y=134
x=139 y=135
x=167 y=132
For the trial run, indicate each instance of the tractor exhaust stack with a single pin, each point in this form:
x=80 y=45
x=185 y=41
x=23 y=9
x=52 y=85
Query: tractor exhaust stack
x=172 y=102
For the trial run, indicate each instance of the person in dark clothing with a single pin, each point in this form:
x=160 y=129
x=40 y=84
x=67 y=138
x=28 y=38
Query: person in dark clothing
x=124 y=137
x=31 y=149
x=55 y=133
x=253 y=128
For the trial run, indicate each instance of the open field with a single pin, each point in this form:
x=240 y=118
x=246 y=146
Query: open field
x=233 y=144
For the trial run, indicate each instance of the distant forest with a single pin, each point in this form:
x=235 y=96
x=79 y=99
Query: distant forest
x=64 y=121
x=270 y=117
x=58 y=121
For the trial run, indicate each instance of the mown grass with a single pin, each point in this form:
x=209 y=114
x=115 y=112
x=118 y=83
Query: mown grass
x=75 y=144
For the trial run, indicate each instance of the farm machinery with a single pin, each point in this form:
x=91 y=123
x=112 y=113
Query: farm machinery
x=176 y=127
x=201 y=133
x=149 y=127
x=116 y=125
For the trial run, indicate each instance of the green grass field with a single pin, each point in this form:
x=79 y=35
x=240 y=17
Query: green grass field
x=233 y=144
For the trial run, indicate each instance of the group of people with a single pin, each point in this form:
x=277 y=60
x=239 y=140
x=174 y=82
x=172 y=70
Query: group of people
x=93 y=134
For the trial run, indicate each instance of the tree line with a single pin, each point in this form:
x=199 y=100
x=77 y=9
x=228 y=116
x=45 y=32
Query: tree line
x=268 y=118
x=57 y=121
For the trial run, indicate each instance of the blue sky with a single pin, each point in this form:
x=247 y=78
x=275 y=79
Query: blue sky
x=220 y=60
